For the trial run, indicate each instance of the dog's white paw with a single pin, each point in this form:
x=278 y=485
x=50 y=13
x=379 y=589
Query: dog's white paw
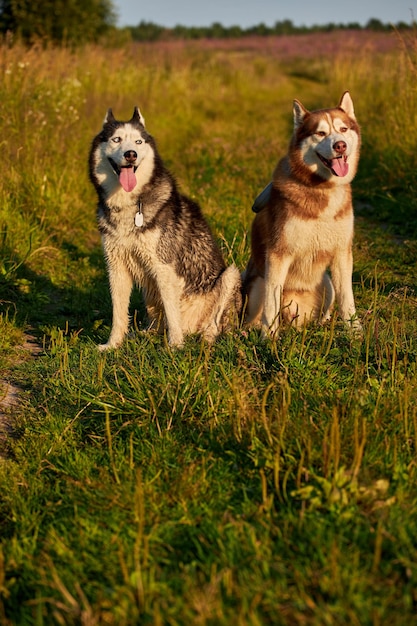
x=355 y=328
x=176 y=339
x=110 y=345
x=270 y=332
x=103 y=347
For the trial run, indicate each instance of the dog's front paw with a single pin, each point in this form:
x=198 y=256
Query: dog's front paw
x=355 y=327
x=103 y=347
x=270 y=329
x=110 y=345
x=176 y=339
x=270 y=332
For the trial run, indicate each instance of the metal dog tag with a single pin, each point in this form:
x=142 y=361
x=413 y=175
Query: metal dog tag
x=139 y=217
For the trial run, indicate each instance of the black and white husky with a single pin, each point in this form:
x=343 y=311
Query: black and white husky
x=157 y=238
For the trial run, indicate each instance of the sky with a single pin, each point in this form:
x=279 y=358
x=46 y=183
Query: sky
x=247 y=13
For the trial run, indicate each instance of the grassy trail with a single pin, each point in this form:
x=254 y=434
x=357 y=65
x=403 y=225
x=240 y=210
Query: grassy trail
x=244 y=483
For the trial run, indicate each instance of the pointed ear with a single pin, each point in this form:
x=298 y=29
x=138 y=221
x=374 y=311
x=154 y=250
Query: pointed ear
x=347 y=105
x=137 y=116
x=109 y=119
x=299 y=113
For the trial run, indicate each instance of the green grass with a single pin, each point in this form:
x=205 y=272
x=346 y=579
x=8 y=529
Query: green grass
x=248 y=482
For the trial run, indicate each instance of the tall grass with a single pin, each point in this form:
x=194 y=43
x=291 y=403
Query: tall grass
x=244 y=483
x=387 y=107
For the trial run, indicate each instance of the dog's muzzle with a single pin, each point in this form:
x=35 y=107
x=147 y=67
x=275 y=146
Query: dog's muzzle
x=338 y=165
x=117 y=168
x=126 y=173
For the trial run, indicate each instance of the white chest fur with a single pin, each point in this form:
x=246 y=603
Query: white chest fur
x=330 y=230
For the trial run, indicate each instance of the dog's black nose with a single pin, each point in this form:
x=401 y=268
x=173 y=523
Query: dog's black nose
x=340 y=147
x=130 y=156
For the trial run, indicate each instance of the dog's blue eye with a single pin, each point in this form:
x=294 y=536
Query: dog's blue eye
x=139 y=141
x=116 y=139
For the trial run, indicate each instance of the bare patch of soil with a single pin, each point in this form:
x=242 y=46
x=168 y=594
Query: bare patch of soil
x=9 y=398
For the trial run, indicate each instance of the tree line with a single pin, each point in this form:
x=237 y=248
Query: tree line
x=73 y=22
x=149 y=31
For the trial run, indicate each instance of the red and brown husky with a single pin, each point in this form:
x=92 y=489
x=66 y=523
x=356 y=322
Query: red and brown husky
x=304 y=225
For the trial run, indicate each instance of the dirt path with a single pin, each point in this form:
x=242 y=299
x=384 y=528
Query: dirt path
x=9 y=397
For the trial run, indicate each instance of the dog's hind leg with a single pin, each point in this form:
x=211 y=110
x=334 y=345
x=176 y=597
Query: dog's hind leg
x=121 y=283
x=254 y=304
x=253 y=289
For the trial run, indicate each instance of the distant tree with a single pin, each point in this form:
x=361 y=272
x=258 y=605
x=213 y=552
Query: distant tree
x=259 y=29
x=60 y=21
x=217 y=30
x=404 y=26
x=186 y=32
x=285 y=27
x=376 y=25
x=234 y=31
x=147 y=31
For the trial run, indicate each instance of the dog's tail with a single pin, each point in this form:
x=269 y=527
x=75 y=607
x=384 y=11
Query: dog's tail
x=228 y=303
x=262 y=199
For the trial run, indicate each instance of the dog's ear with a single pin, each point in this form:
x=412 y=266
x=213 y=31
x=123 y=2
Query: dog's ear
x=137 y=116
x=346 y=104
x=299 y=113
x=109 y=119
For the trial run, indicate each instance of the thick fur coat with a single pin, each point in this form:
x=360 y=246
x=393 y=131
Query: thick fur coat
x=157 y=238
x=304 y=225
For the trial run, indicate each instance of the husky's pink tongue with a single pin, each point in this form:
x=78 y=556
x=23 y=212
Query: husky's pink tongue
x=127 y=178
x=340 y=167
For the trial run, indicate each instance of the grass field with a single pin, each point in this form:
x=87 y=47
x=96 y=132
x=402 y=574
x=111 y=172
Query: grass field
x=247 y=483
